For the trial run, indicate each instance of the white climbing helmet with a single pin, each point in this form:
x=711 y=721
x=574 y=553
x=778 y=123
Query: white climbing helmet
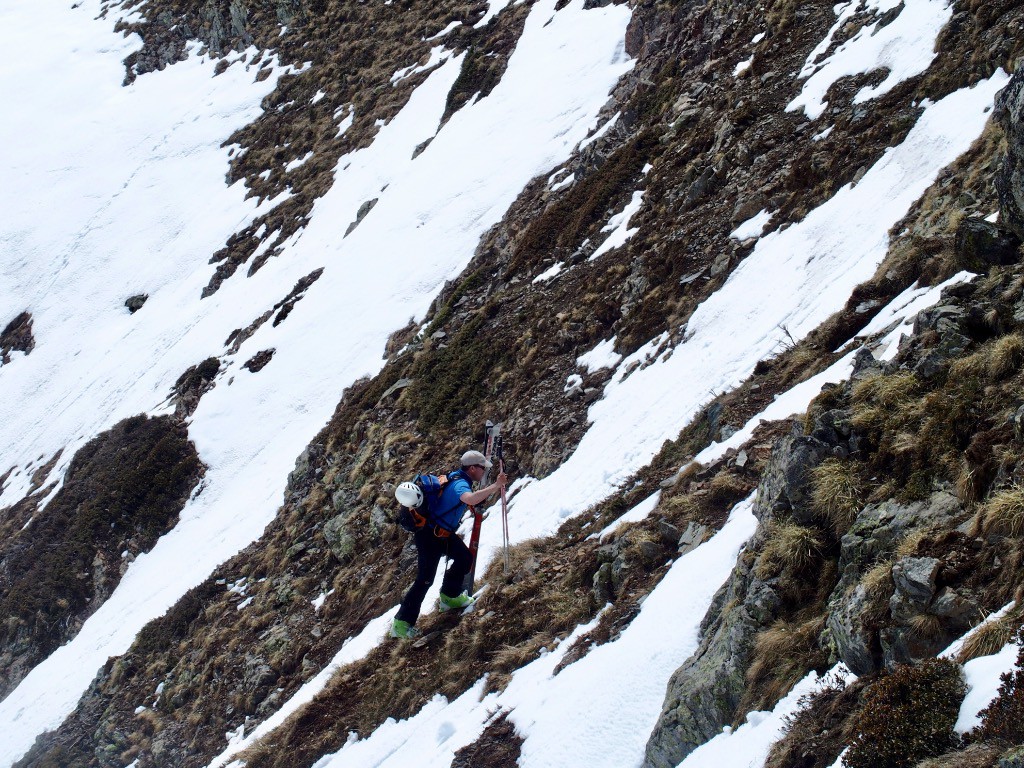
x=409 y=494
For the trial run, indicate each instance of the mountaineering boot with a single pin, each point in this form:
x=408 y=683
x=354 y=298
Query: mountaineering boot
x=446 y=603
x=403 y=629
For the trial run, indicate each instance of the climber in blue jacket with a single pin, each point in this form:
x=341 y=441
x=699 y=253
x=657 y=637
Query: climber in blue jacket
x=437 y=539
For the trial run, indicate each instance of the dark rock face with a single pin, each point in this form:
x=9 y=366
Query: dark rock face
x=704 y=693
x=980 y=245
x=192 y=385
x=17 y=337
x=947 y=320
x=1009 y=113
x=122 y=491
x=258 y=362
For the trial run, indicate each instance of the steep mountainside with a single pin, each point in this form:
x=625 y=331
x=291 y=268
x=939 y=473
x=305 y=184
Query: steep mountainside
x=743 y=285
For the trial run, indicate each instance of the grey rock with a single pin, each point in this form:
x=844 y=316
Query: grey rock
x=880 y=527
x=941 y=318
x=364 y=209
x=960 y=610
x=865 y=364
x=692 y=537
x=342 y=500
x=341 y=541
x=407 y=558
x=703 y=694
x=651 y=552
x=1012 y=758
x=832 y=427
x=669 y=533
x=304 y=464
x=948 y=322
x=134 y=303
x=785 y=485
x=602 y=585
x=748 y=207
x=1018 y=423
x=873 y=537
x=398 y=385
x=914 y=578
x=852 y=643
x=380 y=521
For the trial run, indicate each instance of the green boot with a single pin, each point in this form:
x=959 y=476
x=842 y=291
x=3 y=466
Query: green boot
x=446 y=603
x=403 y=629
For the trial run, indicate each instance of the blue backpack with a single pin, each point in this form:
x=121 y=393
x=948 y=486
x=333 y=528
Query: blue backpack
x=430 y=511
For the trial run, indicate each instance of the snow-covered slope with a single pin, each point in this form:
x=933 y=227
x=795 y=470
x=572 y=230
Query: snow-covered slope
x=112 y=191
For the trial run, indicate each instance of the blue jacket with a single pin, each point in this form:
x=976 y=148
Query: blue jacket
x=450 y=509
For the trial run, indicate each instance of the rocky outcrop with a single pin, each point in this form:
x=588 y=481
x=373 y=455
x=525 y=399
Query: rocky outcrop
x=981 y=245
x=195 y=382
x=122 y=491
x=17 y=337
x=784 y=489
x=1009 y=112
x=704 y=693
x=874 y=536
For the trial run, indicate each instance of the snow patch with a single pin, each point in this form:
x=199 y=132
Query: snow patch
x=618 y=226
x=903 y=48
x=752 y=227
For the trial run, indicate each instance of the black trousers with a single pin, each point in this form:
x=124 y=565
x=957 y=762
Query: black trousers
x=430 y=549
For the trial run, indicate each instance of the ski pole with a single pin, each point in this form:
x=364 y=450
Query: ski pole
x=504 y=506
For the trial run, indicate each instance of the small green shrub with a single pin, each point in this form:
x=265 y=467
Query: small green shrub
x=908 y=716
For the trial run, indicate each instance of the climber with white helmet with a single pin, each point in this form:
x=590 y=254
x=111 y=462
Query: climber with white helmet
x=437 y=512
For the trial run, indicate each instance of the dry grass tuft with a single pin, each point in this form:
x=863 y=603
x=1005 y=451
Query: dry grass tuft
x=510 y=657
x=781 y=656
x=886 y=391
x=876 y=399
x=879 y=587
x=790 y=549
x=1003 y=513
x=837 y=493
x=925 y=626
x=1005 y=356
x=973 y=366
x=990 y=637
